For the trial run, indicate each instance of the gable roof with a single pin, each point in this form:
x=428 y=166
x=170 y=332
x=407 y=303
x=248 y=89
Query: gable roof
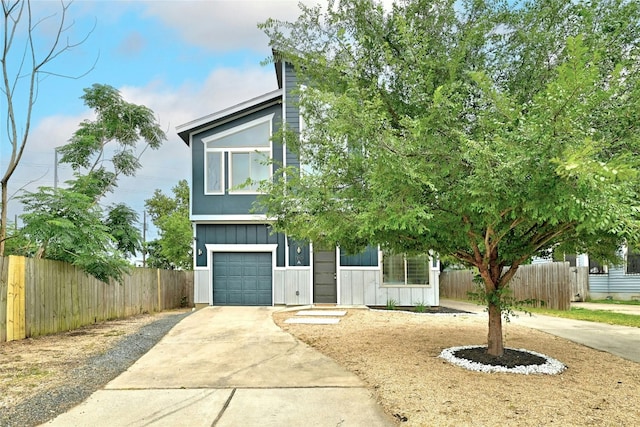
x=229 y=113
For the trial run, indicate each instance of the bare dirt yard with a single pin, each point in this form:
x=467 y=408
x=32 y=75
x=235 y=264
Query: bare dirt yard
x=396 y=354
x=43 y=365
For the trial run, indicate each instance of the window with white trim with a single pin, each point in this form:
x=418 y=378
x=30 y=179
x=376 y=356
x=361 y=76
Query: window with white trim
x=400 y=269
x=246 y=149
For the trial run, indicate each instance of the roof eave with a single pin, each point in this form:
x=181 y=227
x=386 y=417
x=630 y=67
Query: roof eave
x=187 y=129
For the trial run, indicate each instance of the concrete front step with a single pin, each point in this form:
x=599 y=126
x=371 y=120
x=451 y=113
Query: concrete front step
x=313 y=320
x=317 y=317
x=329 y=313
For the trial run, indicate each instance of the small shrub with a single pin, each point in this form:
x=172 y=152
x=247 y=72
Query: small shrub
x=391 y=304
x=420 y=307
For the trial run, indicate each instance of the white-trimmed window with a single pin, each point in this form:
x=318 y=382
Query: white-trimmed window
x=246 y=149
x=400 y=269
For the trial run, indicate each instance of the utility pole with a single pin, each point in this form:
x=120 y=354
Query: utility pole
x=144 y=238
x=55 y=168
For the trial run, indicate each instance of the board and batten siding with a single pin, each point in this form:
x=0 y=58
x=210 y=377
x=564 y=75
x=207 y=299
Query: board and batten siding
x=616 y=284
x=201 y=286
x=237 y=234
x=364 y=287
x=292 y=286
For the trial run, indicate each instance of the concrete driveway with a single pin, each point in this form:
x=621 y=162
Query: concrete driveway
x=230 y=366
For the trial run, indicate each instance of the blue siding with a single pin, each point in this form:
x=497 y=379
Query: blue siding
x=368 y=258
x=240 y=234
x=616 y=281
x=226 y=204
x=292 y=115
x=301 y=259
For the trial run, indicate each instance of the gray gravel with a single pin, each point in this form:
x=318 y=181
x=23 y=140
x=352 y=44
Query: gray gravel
x=94 y=374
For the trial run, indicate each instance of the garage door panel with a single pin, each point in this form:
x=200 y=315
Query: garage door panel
x=221 y=298
x=263 y=287
x=263 y=270
x=249 y=270
x=242 y=279
x=234 y=284
x=249 y=284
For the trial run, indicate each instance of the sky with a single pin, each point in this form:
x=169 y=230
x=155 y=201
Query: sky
x=182 y=59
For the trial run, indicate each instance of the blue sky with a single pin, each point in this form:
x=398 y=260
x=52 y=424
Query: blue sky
x=182 y=59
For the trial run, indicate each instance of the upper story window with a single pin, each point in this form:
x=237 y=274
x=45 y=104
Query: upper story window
x=245 y=150
x=400 y=269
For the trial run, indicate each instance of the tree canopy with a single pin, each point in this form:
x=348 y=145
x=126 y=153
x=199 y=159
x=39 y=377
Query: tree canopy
x=483 y=130
x=174 y=248
x=69 y=224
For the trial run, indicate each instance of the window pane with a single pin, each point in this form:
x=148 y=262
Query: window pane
x=393 y=269
x=249 y=165
x=633 y=263
x=418 y=270
x=259 y=170
x=595 y=267
x=213 y=182
x=239 y=168
x=255 y=136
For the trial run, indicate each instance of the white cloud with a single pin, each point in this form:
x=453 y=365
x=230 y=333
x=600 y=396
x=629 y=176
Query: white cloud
x=223 y=25
x=228 y=25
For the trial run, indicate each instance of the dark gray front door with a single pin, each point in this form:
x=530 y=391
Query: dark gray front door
x=324 y=277
x=242 y=279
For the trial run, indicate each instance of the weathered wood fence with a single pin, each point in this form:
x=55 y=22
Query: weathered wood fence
x=39 y=297
x=556 y=284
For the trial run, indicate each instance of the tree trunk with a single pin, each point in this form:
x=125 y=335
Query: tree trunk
x=3 y=218
x=495 y=345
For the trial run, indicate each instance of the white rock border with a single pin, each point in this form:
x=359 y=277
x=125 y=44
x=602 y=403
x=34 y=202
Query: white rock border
x=550 y=367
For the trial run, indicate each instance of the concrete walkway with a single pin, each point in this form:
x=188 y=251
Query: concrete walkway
x=623 y=341
x=230 y=366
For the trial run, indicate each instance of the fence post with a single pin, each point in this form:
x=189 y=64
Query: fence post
x=16 y=301
x=159 y=292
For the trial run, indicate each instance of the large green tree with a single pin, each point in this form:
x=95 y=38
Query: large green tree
x=69 y=224
x=174 y=248
x=110 y=145
x=483 y=130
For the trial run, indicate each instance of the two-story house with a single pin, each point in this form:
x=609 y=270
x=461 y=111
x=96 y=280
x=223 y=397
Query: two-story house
x=238 y=260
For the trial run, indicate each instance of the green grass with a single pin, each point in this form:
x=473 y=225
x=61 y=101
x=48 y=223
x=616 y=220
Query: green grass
x=614 y=301
x=602 y=316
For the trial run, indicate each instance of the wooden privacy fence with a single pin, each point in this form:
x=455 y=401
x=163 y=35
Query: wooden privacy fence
x=39 y=297
x=555 y=283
